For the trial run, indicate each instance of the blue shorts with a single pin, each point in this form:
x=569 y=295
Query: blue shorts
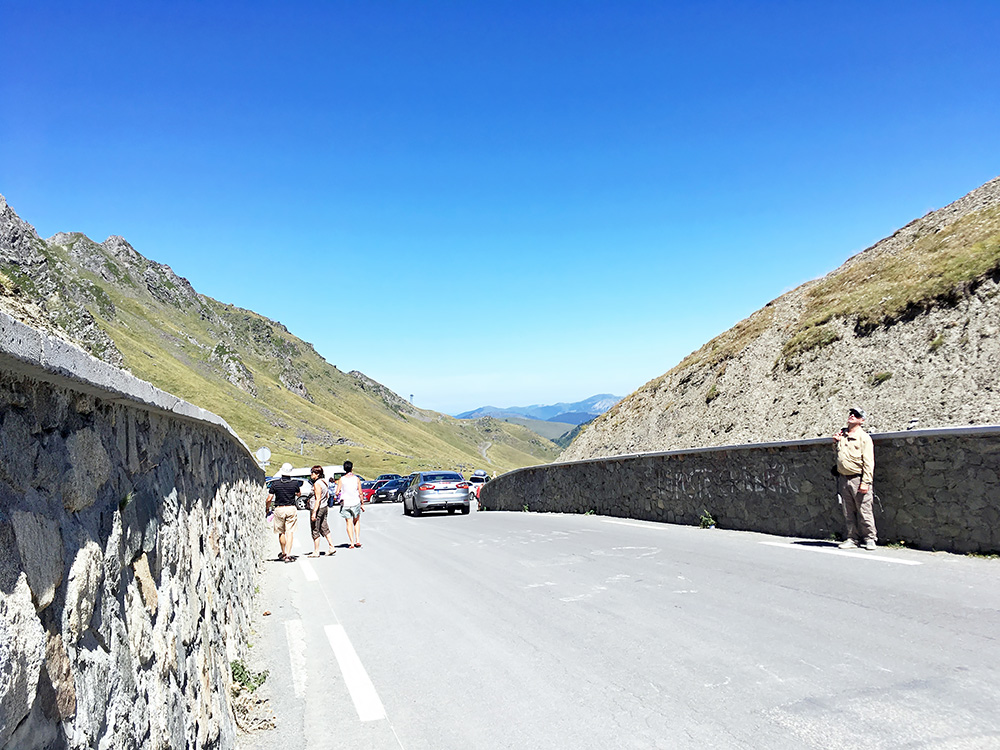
x=350 y=511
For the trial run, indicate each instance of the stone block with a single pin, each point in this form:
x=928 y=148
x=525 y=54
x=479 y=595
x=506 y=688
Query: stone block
x=39 y=543
x=62 y=701
x=18 y=449
x=22 y=654
x=89 y=469
x=147 y=586
x=83 y=585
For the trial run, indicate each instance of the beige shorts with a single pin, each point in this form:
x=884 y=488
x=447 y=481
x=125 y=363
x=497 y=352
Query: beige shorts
x=285 y=517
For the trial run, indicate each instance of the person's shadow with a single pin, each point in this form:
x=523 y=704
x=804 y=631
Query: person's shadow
x=815 y=543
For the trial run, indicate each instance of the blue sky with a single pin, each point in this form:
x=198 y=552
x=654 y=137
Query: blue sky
x=496 y=203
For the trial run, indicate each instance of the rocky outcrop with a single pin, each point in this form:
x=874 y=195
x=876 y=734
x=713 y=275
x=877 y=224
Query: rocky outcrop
x=390 y=398
x=130 y=523
x=33 y=285
x=792 y=369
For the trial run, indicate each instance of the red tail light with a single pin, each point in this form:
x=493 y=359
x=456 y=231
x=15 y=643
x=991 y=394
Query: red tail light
x=426 y=487
x=462 y=486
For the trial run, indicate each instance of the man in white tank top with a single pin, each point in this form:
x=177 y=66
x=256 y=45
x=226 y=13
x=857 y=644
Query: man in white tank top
x=349 y=492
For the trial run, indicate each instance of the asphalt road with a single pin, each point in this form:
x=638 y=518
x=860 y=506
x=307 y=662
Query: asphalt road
x=522 y=630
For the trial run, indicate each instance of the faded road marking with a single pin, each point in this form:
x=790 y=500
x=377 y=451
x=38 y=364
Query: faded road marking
x=366 y=701
x=650 y=525
x=842 y=553
x=296 y=635
x=308 y=570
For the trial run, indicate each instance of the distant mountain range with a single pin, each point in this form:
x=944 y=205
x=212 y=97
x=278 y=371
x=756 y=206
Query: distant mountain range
x=577 y=412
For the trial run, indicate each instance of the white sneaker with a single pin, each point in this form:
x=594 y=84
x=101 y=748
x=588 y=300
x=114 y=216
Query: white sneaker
x=870 y=544
x=849 y=544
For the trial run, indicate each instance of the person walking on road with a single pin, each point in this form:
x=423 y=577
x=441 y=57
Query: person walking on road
x=282 y=494
x=855 y=469
x=349 y=492
x=318 y=513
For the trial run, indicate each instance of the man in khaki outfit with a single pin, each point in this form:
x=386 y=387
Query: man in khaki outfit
x=855 y=467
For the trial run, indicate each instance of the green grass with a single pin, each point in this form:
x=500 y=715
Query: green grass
x=183 y=351
x=880 y=289
x=548 y=430
x=812 y=337
x=880 y=377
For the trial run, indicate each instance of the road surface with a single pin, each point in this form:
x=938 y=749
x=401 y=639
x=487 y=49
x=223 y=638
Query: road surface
x=522 y=630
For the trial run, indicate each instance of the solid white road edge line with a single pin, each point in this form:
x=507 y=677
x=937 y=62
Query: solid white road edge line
x=366 y=701
x=650 y=525
x=842 y=553
x=296 y=635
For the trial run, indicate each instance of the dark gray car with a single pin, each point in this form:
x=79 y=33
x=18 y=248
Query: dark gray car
x=390 y=492
x=436 y=490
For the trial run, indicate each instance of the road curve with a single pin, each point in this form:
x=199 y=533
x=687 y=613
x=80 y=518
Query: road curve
x=521 y=630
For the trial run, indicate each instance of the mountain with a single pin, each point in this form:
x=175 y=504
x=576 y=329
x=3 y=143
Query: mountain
x=574 y=413
x=908 y=329
x=273 y=388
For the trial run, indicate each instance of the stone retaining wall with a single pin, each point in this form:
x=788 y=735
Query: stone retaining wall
x=938 y=489
x=130 y=525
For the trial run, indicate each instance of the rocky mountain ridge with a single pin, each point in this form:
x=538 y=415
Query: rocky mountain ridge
x=908 y=329
x=273 y=388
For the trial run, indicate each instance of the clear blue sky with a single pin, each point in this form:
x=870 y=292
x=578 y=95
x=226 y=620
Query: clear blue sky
x=515 y=202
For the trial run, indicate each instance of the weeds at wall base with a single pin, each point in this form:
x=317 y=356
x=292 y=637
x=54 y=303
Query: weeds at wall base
x=243 y=676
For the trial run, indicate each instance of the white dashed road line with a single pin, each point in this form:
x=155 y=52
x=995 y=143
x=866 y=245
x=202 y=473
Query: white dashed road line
x=296 y=635
x=842 y=553
x=366 y=701
x=307 y=570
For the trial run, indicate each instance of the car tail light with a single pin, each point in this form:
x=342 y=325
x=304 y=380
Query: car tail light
x=426 y=487
x=462 y=486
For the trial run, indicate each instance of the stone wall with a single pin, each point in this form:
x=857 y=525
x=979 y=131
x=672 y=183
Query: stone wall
x=937 y=489
x=130 y=525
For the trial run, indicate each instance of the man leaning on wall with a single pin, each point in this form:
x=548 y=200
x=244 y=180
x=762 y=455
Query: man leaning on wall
x=855 y=469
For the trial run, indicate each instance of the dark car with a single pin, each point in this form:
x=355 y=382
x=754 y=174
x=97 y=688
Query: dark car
x=389 y=476
x=390 y=492
x=436 y=490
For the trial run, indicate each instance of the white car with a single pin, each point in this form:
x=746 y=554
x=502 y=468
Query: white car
x=476 y=482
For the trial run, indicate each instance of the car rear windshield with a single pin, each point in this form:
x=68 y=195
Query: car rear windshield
x=443 y=477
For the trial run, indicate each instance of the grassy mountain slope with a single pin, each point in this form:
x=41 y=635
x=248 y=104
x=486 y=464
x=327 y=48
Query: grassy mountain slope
x=273 y=388
x=909 y=329
x=545 y=428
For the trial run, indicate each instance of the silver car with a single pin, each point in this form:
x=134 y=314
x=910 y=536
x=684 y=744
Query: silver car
x=436 y=490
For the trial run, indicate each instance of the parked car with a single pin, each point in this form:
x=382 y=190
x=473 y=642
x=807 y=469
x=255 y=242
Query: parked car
x=391 y=491
x=389 y=476
x=476 y=482
x=367 y=490
x=436 y=490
